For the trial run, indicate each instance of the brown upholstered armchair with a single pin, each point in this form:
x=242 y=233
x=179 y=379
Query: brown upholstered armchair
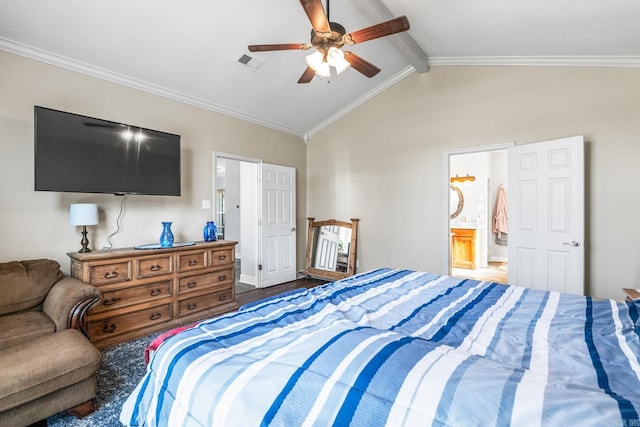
x=47 y=364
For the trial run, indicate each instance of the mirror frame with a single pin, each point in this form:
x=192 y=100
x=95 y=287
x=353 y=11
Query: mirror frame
x=460 y=201
x=326 y=274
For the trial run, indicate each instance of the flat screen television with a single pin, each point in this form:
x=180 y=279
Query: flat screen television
x=80 y=154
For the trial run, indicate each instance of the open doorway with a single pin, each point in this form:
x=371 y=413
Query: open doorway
x=476 y=178
x=255 y=206
x=236 y=213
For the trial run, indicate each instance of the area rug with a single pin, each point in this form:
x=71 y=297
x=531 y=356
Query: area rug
x=122 y=368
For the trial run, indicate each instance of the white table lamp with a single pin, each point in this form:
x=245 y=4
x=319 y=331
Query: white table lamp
x=83 y=214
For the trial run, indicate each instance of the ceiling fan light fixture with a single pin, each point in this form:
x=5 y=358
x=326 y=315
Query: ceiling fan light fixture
x=335 y=58
x=317 y=64
x=324 y=70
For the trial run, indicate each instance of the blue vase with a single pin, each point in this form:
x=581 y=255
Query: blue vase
x=166 y=237
x=210 y=232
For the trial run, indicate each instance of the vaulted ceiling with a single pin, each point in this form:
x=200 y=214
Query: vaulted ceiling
x=189 y=50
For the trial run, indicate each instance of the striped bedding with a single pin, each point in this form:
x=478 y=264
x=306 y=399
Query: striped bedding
x=399 y=347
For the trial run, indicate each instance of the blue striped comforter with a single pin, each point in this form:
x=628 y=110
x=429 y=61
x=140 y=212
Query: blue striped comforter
x=399 y=347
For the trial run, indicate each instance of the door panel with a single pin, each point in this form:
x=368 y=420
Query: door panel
x=546 y=215
x=278 y=235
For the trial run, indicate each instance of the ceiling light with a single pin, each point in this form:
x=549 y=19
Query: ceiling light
x=317 y=64
x=335 y=58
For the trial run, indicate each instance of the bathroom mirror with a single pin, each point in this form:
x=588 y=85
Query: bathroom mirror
x=331 y=248
x=456 y=201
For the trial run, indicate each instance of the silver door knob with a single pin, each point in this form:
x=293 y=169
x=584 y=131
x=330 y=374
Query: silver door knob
x=293 y=229
x=572 y=243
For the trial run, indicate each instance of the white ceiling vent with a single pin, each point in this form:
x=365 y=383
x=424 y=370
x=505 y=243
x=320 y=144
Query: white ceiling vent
x=249 y=61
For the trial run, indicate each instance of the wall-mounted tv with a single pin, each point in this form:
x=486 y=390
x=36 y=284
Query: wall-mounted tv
x=80 y=154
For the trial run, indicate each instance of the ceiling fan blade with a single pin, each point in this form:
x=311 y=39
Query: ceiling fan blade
x=359 y=64
x=281 y=46
x=317 y=16
x=392 y=26
x=307 y=75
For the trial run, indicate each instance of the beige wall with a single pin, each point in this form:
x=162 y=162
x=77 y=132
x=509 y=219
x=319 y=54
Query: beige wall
x=36 y=224
x=383 y=163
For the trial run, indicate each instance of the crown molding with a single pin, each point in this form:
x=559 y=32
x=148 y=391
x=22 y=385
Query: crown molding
x=87 y=69
x=541 y=61
x=93 y=71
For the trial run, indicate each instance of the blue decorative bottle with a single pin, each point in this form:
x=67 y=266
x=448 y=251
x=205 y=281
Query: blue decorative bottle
x=210 y=232
x=166 y=237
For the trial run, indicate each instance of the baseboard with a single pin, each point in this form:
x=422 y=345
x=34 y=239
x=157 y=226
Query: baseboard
x=249 y=280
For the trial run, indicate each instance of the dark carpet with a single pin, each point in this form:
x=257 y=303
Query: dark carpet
x=122 y=369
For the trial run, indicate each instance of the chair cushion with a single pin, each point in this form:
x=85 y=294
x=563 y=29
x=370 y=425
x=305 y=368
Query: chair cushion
x=44 y=365
x=24 y=326
x=25 y=284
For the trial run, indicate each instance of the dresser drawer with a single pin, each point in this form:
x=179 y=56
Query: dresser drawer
x=152 y=267
x=191 y=261
x=109 y=273
x=205 y=281
x=221 y=257
x=124 y=297
x=193 y=305
x=100 y=329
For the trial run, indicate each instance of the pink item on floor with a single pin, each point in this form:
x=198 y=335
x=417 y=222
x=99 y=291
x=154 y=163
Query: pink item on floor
x=151 y=348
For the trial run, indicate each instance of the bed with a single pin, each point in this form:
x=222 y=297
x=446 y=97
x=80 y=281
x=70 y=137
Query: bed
x=400 y=347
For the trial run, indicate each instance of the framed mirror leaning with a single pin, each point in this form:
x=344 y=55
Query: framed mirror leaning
x=331 y=248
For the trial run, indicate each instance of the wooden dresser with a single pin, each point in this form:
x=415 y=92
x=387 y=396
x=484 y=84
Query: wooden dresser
x=463 y=248
x=152 y=290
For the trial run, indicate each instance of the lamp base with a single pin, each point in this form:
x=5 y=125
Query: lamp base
x=84 y=242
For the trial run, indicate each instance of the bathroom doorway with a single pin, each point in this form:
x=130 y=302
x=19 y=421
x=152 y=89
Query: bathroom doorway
x=480 y=175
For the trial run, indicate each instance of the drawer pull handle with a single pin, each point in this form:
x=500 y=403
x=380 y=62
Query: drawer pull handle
x=222 y=257
x=191 y=285
x=192 y=306
x=110 y=301
x=222 y=297
x=192 y=262
x=155 y=292
x=156 y=267
x=155 y=316
x=110 y=274
x=108 y=328
x=222 y=278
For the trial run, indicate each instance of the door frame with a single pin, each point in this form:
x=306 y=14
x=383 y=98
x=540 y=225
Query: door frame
x=446 y=158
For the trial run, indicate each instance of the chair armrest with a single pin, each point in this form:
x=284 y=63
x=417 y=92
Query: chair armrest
x=67 y=302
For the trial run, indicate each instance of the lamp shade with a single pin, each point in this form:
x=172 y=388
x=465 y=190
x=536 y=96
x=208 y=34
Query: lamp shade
x=83 y=214
x=317 y=64
x=335 y=58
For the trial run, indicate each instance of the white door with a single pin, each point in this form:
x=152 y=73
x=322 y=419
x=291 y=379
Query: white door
x=278 y=225
x=546 y=215
x=327 y=248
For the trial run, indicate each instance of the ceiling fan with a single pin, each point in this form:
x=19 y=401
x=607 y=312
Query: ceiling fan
x=329 y=38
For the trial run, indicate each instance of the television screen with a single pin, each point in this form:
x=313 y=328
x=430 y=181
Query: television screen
x=75 y=153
